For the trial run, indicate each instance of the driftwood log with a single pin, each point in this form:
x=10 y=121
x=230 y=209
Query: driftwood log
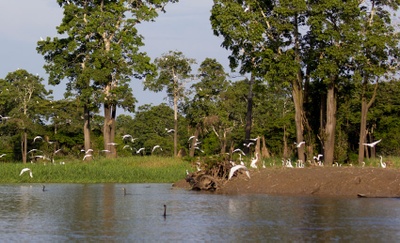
x=210 y=179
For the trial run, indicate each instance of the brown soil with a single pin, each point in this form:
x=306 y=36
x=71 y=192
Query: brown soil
x=321 y=181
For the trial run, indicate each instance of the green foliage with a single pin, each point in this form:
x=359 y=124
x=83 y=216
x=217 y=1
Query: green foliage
x=124 y=170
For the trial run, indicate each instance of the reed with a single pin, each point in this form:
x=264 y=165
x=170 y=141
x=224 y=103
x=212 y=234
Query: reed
x=149 y=169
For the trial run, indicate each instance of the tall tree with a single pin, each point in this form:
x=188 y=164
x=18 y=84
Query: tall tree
x=99 y=54
x=28 y=97
x=377 y=56
x=174 y=73
x=207 y=104
x=265 y=39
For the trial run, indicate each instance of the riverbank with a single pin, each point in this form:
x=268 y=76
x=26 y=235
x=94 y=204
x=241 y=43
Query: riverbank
x=137 y=169
x=321 y=181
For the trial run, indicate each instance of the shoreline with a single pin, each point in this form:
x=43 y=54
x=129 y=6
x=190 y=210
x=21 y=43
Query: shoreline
x=319 y=181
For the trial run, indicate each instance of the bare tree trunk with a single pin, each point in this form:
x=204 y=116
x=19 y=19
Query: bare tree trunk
x=285 y=154
x=264 y=149
x=24 y=146
x=223 y=143
x=330 y=126
x=109 y=130
x=249 y=114
x=298 y=95
x=298 y=107
x=175 y=123
x=86 y=130
x=193 y=142
x=363 y=124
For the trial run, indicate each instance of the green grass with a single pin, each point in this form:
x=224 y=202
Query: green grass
x=149 y=169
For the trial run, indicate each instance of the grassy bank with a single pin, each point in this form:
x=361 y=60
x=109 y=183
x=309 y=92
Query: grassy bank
x=149 y=169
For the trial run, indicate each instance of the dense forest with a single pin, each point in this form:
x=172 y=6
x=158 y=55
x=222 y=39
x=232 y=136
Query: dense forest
x=321 y=75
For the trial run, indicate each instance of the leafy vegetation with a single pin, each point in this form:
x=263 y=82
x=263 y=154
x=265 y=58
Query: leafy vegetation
x=150 y=169
x=324 y=72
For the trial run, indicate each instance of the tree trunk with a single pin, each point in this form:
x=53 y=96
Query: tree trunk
x=109 y=130
x=363 y=127
x=86 y=130
x=285 y=154
x=223 y=143
x=264 y=149
x=249 y=114
x=363 y=124
x=193 y=142
x=330 y=126
x=24 y=147
x=298 y=107
x=175 y=123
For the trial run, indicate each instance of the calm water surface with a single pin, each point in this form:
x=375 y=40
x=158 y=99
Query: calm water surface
x=101 y=213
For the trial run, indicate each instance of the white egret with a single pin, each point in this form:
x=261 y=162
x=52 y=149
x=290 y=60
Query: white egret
x=34 y=150
x=199 y=149
x=298 y=145
x=1 y=156
x=36 y=138
x=169 y=130
x=58 y=150
x=383 y=164
x=86 y=156
x=238 y=150
x=127 y=147
x=156 y=147
x=372 y=144
x=254 y=161
x=191 y=137
x=112 y=144
x=87 y=151
x=238 y=167
x=248 y=144
x=126 y=136
x=139 y=150
x=25 y=170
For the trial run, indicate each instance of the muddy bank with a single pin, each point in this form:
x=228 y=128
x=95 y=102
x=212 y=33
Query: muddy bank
x=321 y=181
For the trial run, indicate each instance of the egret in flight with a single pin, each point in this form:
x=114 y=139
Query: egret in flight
x=239 y=150
x=298 y=145
x=238 y=167
x=155 y=147
x=372 y=144
x=25 y=170
x=36 y=138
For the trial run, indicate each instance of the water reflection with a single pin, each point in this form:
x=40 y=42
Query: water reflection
x=101 y=212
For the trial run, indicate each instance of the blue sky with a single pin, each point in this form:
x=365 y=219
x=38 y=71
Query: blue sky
x=185 y=27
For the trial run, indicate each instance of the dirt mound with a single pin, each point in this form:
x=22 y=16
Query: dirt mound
x=322 y=181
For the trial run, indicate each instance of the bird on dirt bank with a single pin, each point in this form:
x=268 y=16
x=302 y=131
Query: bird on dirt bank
x=254 y=161
x=372 y=144
x=383 y=164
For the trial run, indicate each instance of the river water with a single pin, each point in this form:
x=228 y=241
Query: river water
x=102 y=213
